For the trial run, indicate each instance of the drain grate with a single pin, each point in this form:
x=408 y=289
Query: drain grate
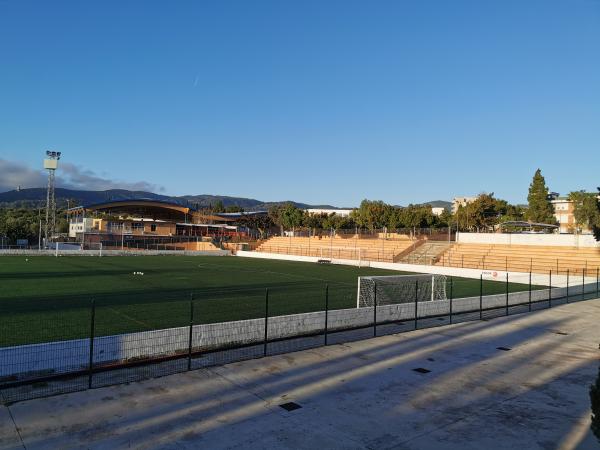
x=504 y=349
x=422 y=370
x=290 y=406
x=562 y=333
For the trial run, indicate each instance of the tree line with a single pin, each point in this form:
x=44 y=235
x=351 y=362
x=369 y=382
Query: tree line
x=24 y=223
x=481 y=214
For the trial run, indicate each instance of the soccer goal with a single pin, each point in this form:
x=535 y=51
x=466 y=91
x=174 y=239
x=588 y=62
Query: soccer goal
x=393 y=289
x=60 y=248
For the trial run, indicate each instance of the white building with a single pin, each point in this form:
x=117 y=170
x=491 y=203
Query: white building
x=563 y=212
x=80 y=225
x=337 y=212
x=461 y=201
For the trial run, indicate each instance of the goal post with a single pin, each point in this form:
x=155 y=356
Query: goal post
x=95 y=248
x=396 y=289
x=58 y=248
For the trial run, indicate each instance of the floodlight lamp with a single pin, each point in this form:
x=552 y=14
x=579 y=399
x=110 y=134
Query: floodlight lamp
x=53 y=155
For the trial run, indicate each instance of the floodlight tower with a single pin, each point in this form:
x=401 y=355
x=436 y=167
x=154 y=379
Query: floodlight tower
x=50 y=164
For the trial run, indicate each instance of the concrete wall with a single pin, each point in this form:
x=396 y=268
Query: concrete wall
x=565 y=240
x=65 y=356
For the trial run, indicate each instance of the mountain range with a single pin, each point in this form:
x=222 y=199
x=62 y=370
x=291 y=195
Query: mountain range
x=36 y=197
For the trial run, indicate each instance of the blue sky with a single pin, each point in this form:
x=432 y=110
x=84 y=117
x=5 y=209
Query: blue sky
x=315 y=101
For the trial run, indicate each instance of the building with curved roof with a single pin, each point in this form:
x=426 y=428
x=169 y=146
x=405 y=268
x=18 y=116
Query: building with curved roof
x=145 y=217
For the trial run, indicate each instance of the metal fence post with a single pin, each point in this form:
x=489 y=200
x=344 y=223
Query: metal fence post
x=326 y=310
x=583 y=283
x=529 y=291
x=374 y=308
x=92 y=336
x=597 y=280
x=480 y=296
x=416 y=302
x=451 y=296
x=266 y=321
x=507 y=293
x=550 y=291
x=190 y=337
x=567 y=285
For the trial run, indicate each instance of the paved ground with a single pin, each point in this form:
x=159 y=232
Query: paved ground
x=356 y=396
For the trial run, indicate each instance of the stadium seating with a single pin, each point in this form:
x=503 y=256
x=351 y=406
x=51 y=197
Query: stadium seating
x=197 y=246
x=367 y=249
x=522 y=258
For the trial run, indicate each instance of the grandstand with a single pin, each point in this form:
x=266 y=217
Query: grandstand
x=521 y=258
x=404 y=249
x=355 y=247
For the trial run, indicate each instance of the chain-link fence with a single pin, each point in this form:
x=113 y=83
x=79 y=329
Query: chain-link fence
x=64 y=345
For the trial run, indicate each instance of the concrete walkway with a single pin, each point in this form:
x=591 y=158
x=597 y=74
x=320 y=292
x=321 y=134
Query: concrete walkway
x=363 y=395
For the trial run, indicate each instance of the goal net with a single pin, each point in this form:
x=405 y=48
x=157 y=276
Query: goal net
x=68 y=248
x=389 y=290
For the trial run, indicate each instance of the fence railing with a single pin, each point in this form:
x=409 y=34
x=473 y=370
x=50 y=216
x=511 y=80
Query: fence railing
x=333 y=252
x=443 y=234
x=19 y=247
x=101 y=344
x=518 y=264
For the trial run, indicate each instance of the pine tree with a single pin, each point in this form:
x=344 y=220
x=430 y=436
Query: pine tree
x=540 y=209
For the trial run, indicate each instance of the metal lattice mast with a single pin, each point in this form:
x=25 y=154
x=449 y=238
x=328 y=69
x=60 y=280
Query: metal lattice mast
x=47 y=222
x=50 y=164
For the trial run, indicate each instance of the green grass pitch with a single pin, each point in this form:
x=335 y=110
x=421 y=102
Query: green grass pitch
x=43 y=298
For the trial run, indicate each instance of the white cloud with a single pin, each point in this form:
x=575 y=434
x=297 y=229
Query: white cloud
x=69 y=176
x=14 y=174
